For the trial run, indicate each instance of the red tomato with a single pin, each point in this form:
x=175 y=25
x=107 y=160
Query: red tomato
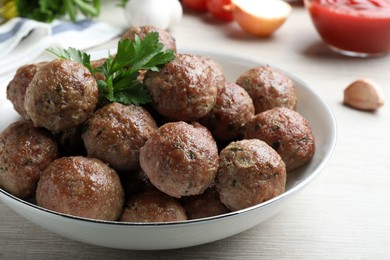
x=220 y=9
x=195 y=5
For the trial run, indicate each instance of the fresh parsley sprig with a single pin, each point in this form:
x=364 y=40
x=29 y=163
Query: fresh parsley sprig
x=121 y=73
x=73 y=54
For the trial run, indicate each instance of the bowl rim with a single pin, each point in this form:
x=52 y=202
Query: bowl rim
x=298 y=187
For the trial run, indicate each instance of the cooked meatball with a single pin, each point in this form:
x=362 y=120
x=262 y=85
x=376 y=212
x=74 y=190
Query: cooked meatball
x=232 y=110
x=116 y=132
x=269 y=88
x=288 y=132
x=215 y=69
x=184 y=89
x=153 y=205
x=250 y=172
x=62 y=95
x=16 y=89
x=180 y=159
x=81 y=186
x=164 y=36
x=25 y=151
x=204 y=205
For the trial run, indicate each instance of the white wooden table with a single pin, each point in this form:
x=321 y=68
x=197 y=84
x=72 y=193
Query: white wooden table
x=343 y=214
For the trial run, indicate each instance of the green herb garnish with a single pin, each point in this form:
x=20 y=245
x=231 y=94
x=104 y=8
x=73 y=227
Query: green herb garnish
x=73 y=54
x=121 y=73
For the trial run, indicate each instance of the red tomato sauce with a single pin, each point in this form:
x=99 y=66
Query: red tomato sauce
x=361 y=26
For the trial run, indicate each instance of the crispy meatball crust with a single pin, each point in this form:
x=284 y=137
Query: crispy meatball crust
x=16 y=89
x=180 y=159
x=25 y=151
x=183 y=90
x=81 y=186
x=62 y=95
x=204 y=205
x=250 y=172
x=232 y=110
x=164 y=36
x=152 y=205
x=116 y=132
x=216 y=70
x=269 y=88
x=288 y=132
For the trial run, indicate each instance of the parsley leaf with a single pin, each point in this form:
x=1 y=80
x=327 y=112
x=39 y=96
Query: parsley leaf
x=73 y=54
x=121 y=73
x=145 y=54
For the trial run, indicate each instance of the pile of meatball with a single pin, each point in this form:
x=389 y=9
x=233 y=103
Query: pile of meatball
x=204 y=146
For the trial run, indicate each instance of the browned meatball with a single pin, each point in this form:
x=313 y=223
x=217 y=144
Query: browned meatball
x=184 y=89
x=16 y=89
x=287 y=132
x=116 y=132
x=62 y=95
x=215 y=69
x=164 y=36
x=180 y=159
x=204 y=205
x=152 y=205
x=269 y=88
x=81 y=186
x=250 y=172
x=25 y=151
x=232 y=110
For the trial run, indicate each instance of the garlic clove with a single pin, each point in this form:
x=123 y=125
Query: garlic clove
x=363 y=94
x=156 y=13
x=261 y=17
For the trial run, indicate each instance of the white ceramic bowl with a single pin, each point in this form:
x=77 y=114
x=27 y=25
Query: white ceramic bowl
x=155 y=236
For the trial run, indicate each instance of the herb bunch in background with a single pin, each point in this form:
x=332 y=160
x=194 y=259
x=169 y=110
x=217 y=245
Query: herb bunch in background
x=122 y=3
x=48 y=10
x=7 y=10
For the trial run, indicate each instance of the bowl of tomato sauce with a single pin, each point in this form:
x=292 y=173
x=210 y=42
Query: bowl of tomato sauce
x=358 y=28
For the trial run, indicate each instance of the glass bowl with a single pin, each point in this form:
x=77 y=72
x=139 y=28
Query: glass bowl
x=353 y=28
